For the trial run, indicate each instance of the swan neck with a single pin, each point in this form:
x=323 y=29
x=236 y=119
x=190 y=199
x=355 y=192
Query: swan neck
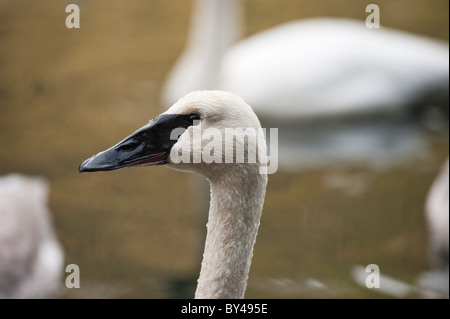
x=215 y=25
x=234 y=217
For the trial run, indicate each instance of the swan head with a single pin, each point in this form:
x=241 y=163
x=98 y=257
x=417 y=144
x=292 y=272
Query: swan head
x=202 y=133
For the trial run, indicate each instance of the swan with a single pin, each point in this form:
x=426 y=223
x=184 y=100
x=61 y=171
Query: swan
x=311 y=68
x=31 y=258
x=436 y=281
x=437 y=218
x=237 y=187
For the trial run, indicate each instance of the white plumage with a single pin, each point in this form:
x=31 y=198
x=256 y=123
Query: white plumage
x=320 y=67
x=31 y=258
x=332 y=67
x=437 y=218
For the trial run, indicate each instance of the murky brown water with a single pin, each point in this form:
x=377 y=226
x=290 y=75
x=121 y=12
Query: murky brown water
x=135 y=233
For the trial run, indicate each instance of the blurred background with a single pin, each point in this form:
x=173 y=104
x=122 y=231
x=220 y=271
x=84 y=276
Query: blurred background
x=66 y=94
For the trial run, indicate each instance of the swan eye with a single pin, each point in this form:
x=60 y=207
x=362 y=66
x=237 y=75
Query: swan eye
x=194 y=118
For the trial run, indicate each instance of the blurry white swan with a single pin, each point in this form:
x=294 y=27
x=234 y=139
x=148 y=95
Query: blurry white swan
x=437 y=217
x=306 y=68
x=336 y=90
x=237 y=188
x=31 y=259
x=437 y=221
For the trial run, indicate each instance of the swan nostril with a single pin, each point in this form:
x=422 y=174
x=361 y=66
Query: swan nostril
x=127 y=147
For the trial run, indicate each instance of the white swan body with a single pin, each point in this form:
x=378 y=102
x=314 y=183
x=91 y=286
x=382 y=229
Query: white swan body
x=31 y=258
x=237 y=188
x=320 y=67
x=332 y=67
x=437 y=218
x=435 y=283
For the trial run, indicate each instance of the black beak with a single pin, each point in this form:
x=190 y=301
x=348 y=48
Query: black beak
x=149 y=145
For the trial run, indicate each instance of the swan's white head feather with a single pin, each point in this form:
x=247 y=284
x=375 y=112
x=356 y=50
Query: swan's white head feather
x=223 y=117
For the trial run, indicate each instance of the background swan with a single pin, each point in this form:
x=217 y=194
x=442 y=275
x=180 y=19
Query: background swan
x=339 y=92
x=333 y=67
x=437 y=220
x=237 y=189
x=306 y=68
x=31 y=258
